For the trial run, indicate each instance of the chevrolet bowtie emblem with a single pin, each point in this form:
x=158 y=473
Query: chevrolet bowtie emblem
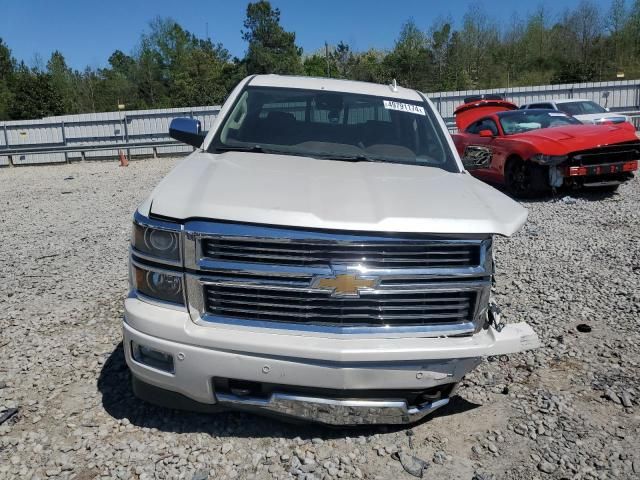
x=345 y=285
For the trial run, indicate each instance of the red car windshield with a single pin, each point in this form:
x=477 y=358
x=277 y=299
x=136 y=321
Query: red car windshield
x=521 y=121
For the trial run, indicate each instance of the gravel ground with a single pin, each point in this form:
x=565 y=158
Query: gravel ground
x=570 y=409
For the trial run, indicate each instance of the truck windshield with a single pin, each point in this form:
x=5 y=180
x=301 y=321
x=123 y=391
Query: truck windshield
x=334 y=125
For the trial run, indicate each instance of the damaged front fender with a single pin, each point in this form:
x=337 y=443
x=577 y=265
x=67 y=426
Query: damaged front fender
x=548 y=160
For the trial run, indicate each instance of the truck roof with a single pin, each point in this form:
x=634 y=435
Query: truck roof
x=334 y=85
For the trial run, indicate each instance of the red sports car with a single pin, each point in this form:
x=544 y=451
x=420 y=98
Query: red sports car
x=531 y=151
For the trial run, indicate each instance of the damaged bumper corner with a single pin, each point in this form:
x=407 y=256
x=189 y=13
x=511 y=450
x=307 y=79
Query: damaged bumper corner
x=315 y=379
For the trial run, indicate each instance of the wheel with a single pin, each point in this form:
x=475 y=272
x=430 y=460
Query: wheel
x=524 y=179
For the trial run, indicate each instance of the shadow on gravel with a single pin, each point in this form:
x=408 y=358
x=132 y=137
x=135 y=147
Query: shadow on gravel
x=588 y=195
x=114 y=383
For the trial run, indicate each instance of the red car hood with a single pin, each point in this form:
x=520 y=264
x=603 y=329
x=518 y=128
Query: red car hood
x=571 y=138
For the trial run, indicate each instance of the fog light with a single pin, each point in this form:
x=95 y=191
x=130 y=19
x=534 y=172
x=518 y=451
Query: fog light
x=152 y=357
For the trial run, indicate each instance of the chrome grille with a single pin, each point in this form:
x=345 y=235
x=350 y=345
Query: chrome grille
x=265 y=277
x=369 y=309
x=391 y=254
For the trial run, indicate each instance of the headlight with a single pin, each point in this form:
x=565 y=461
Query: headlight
x=549 y=159
x=158 y=284
x=163 y=244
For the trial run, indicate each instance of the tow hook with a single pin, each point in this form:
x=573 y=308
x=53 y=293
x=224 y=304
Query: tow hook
x=494 y=316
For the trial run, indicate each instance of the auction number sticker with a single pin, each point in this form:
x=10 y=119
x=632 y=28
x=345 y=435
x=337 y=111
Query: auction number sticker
x=404 y=107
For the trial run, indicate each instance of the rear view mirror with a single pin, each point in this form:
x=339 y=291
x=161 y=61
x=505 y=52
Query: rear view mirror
x=187 y=130
x=329 y=101
x=485 y=133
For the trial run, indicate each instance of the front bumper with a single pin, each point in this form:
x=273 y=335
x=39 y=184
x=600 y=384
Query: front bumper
x=314 y=364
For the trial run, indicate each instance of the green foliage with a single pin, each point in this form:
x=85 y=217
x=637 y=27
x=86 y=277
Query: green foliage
x=7 y=68
x=316 y=65
x=271 y=48
x=410 y=61
x=34 y=95
x=171 y=67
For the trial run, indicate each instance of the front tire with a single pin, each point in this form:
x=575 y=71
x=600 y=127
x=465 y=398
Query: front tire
x=524 y=179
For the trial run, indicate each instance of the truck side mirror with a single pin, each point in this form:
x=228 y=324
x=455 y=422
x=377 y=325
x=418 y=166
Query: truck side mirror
x=187 y=130
x=485 y=133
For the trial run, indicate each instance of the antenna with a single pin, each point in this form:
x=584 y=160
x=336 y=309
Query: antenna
x=326 y=55
x=394 y=86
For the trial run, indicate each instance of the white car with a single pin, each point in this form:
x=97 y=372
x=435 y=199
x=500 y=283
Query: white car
x=323 y=254
x=582 y=109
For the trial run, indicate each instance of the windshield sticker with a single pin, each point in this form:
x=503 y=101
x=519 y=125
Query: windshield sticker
x=404 y=107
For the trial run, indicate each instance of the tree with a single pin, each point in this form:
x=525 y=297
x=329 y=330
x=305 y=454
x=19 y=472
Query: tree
x=179 y=69
x=615 y=23
x=315 y=65
x=7 y=66
x=61 y=78
x=342 y=58
x=370 y=66
x=410 y=59
x=440 y=38
x=271 y=48
x=118 y=83
x=34 y=95
x=587 y=26
x=171 y=67
x=479 y=39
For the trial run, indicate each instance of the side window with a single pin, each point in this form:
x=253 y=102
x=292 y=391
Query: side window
x=488 y=124
x=484 y=124
x=473 y=128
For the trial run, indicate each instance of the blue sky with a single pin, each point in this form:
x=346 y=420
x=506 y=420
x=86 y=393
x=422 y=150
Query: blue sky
x=88 y=31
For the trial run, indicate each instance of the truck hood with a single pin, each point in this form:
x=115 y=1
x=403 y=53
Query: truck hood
x=287 y=190
x=572 y=138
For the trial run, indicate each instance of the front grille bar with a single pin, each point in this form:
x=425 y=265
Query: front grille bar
x=262 y=277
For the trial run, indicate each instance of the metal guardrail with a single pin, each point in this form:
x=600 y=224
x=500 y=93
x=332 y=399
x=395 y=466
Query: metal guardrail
x=145 y=132
x=82 y=149
x=95 y=136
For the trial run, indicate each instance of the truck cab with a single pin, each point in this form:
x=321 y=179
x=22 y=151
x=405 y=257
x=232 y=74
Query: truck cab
x=322 y=255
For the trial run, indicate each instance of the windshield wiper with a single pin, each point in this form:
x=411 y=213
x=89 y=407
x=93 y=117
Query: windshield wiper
x=358 y=157
x=241 y=148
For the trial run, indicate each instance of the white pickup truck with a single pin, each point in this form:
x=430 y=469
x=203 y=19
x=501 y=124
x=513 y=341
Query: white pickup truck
x=323 y=254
